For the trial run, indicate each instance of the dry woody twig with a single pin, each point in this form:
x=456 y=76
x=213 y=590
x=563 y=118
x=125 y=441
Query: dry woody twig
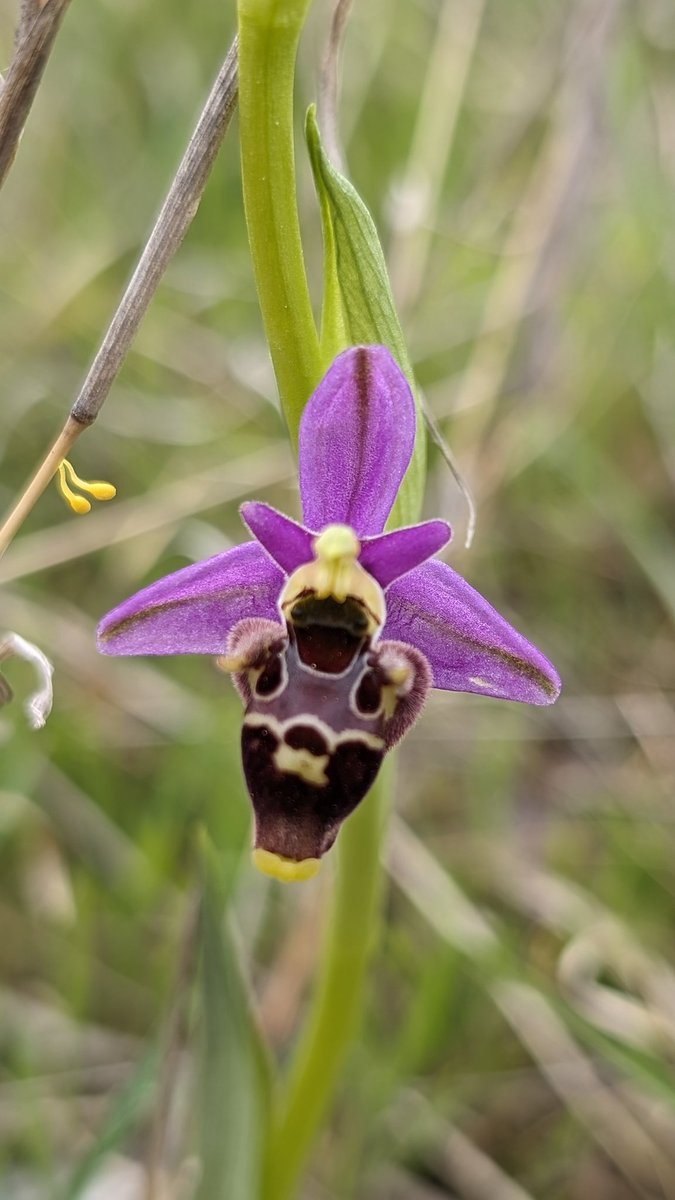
x=173 y=222
x=35 y=35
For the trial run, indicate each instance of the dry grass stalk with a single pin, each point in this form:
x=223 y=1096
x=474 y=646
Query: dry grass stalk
x=174 y=220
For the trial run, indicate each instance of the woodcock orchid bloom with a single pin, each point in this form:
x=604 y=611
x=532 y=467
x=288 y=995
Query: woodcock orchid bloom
x=333 y=630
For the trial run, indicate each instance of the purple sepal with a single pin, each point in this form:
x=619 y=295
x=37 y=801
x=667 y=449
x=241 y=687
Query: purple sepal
x=468 y=645
x=356 y=439
x=391 y=555
x=193 y=610
x=287 y=542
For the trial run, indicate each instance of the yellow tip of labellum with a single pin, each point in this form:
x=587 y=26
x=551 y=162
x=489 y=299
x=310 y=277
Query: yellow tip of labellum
x=288 y=870
x=98 y=488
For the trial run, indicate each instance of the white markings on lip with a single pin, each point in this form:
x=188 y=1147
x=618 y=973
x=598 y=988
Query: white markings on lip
x=310 y=767
x=332 y=739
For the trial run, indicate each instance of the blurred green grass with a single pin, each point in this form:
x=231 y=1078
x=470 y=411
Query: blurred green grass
x=538 y=310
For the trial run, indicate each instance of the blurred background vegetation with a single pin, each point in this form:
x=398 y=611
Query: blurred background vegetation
x=519 y=159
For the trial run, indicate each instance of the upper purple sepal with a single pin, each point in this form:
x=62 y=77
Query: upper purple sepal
x=356 y=440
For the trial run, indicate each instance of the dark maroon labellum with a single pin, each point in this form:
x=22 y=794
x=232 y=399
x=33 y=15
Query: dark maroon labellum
x=323 y=705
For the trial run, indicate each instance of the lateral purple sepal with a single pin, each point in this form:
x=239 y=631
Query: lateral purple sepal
x=468 y=645
x=391 y=555
x=193 y=610
x=287 y=542
x=356 y=440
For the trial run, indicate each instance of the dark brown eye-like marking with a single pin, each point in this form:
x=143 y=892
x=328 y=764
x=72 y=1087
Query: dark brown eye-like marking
x=270 y=677
x=304 y=737
x=369 y=694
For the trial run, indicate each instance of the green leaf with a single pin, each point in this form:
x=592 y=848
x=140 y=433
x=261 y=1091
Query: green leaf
x=129 y=1107
x=358 y=306
x=234 y=1100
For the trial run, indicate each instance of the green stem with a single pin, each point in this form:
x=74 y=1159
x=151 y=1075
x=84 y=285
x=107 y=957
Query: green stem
x=269 y=31
x=338 y=1000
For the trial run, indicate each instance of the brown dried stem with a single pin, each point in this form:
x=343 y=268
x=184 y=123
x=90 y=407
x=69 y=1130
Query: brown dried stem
x=36 y=31
x=173 y=222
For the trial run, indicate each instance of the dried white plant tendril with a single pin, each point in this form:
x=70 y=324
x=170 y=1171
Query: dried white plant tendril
x=39 y=704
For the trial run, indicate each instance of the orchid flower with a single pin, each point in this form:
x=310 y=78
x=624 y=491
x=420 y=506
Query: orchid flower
x=333 y=630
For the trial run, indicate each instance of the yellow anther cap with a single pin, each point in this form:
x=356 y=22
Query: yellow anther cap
x=336 y=550
x=98 y=488
x=336 y=542
x=288 y=870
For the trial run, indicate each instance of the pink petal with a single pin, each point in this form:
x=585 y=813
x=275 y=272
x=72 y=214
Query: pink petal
x=289 y=544
x=391 y=555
